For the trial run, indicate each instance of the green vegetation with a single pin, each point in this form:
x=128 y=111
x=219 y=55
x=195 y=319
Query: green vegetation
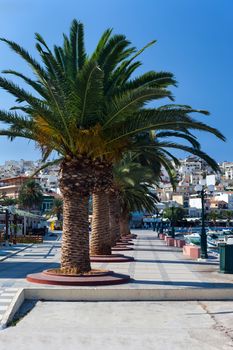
x=175 y=214
x=30 y=195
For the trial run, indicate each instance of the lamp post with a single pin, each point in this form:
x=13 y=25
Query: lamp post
x=202 y=189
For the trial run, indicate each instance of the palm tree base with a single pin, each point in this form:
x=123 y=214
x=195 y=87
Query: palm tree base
x=114 y=258
x=75 y=272
x=129 y=236
x=124 y=243
x=107 y=278
x=125 y=240
x=121 y=247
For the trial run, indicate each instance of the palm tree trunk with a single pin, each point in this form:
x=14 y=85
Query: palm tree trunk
x=76 y=183
x=100 y=236
x=75 y=242
x=124 y=224
x=114 y=213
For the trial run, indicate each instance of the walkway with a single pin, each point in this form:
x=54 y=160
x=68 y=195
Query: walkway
x=123 y=326
x=156 y=266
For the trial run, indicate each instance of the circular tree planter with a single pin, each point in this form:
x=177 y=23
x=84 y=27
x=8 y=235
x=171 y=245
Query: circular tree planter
x=96 y=279
x=114 y=258
x=121 y=247
x=93 y=273
x=131 y=236
x=125 y=243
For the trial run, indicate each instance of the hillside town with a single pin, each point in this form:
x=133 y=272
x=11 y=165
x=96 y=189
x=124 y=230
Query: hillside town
x=191 y=171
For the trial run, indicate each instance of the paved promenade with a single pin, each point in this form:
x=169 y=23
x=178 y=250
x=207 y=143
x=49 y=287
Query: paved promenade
x=155 y=266
x=132 y=325
x=123 y=326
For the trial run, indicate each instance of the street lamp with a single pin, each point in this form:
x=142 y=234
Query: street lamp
x=202 y=189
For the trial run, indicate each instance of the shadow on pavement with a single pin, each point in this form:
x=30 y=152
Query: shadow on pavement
x=212 y=285
x=174 y=250
x=183 y=262
x=21 y=269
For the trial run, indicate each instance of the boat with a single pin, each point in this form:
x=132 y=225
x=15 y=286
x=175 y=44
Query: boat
x=193 y=238
x=212 y=242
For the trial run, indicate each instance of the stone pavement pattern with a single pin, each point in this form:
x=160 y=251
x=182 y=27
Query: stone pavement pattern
x=123 y=325
x=156 y=266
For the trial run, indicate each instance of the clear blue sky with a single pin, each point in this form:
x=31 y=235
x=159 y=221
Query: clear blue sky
x=194 y=41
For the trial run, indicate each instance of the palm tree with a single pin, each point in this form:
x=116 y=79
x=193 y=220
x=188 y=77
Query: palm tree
x=114 y=215
x=213 y=215
x=30 y=195
x=6 y=201
x=88 y=110
x=134 y=185
x=174 y=214
x=228 y=214
x=152 y=154
x=135 y=198
x=57 y=208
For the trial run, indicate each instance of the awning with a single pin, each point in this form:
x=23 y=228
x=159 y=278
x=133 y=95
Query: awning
x=24 y=213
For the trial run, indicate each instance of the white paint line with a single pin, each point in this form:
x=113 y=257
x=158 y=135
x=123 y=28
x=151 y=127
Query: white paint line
x=3 y=308
x=12 y=308
x=11 y=289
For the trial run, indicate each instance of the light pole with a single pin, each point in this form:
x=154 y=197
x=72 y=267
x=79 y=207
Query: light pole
x=202 y=189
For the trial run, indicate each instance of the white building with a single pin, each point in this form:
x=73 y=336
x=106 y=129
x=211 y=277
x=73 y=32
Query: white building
x=226 y=197
x=195 y=202
x=195 y=178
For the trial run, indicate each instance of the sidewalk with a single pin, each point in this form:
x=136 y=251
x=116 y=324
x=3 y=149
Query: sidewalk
x=159 y=266
x=156 y=266
x=123 y=326
x=158 y=272
x=11 y=250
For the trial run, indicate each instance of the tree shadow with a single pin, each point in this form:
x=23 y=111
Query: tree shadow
x=174 y=250
x=22 y=269
x=184 y=262
x=211 y=285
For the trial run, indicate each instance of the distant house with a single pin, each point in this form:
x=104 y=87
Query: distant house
x=218 y=204
x=48 y=199
x=10 y=187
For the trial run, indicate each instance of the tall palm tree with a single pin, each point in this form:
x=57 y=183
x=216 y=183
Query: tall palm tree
x=152 y=154
x=134 y=184
x=30 y=195
x=87 y=109
x=135 y=198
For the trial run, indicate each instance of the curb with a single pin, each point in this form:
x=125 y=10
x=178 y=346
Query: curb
x=95 y=294
x=15 y=253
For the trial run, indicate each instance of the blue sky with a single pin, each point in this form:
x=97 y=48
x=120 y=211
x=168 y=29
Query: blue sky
x=194 y=41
